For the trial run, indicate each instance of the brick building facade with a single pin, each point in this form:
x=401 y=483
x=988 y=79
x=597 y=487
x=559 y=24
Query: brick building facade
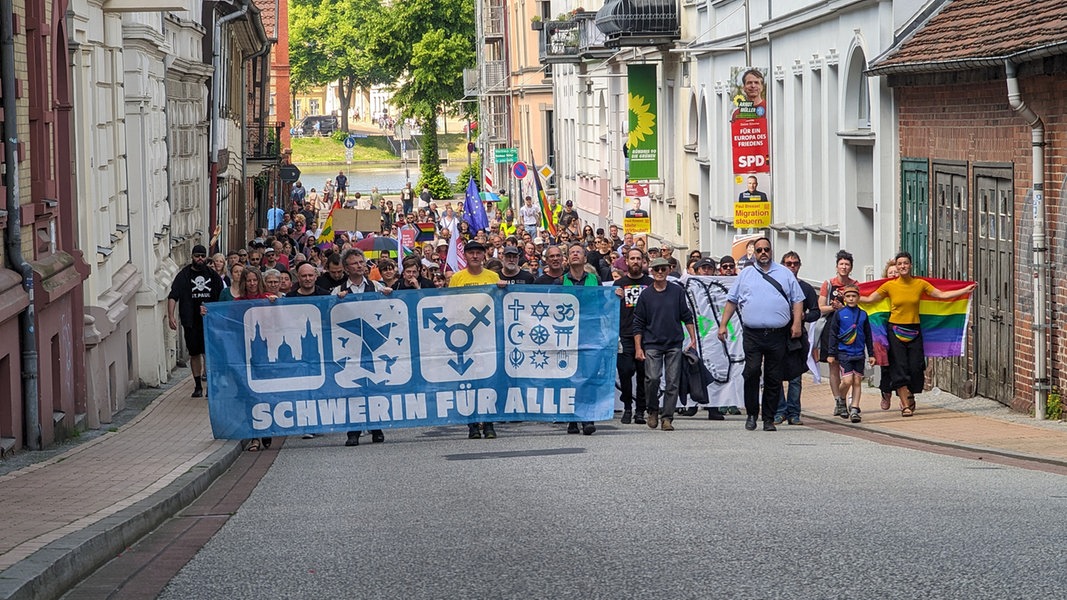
x=967 y=182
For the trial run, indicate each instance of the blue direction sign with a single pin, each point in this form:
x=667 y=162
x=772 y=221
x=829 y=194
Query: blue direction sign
x=350 y=142
x=520 y=170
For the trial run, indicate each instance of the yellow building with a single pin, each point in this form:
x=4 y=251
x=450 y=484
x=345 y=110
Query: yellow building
x=309 y=102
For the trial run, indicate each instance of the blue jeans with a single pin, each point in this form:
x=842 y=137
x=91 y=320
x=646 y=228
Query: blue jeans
x=789 y=404
x=660 y=364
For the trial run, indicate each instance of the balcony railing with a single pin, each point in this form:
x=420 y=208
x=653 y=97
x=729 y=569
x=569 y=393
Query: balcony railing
x=639 y=22
x=573 y=40
x=470 y=82
x=494 y=75
x=264 y=140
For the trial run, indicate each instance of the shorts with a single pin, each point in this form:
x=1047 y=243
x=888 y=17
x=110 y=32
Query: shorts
x=194 y=337
x=852 y=365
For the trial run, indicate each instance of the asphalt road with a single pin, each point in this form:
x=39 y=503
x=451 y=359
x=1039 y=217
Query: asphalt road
x=707 y=511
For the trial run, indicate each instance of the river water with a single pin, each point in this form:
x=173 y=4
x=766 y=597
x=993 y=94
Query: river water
x=388 y=180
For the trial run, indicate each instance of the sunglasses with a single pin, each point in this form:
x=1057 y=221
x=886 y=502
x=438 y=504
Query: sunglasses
x=763 y=250
x=660 y=269
x=729 y=266
x=792 y=263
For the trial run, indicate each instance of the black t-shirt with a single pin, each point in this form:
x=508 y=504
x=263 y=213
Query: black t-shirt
x=546 y=279
x=191 y=289
x=520 y=278
x=318 y=292
x=631 y=291
x=328 y=283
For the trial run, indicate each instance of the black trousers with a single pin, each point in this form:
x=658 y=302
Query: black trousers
x=765 y=351
x=628 y=367
x=907 y=361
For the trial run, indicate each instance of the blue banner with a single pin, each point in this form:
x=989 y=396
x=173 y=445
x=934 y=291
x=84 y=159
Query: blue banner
x=411 y=359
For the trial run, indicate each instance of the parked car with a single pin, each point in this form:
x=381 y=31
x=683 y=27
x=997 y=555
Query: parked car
x=327 y=124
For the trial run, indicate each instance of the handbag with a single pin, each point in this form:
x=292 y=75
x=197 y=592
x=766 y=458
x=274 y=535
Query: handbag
x=796 y=349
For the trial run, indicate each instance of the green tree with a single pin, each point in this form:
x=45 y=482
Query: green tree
x=425 y=45
x=328 y=42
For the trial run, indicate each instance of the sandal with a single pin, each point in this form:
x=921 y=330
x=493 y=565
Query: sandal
x=252 y=446
x=886 y=401
x=909 y=409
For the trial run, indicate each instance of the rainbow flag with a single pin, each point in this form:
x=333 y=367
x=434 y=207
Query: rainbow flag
x=943 y=322
x=326 y=235
x=547 y=222
x=426 y=232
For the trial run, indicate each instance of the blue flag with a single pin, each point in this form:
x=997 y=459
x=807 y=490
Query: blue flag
x=473 y=209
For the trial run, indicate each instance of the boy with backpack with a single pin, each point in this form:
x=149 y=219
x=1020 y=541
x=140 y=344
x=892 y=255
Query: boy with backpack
x=850 y=336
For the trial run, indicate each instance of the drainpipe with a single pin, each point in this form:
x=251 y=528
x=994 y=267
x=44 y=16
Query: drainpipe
x=216 y=107
x=13 y=236
x=1041 y=326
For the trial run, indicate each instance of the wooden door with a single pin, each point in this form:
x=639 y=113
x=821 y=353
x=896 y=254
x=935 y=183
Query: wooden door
x=993 y=300
x=951 y=259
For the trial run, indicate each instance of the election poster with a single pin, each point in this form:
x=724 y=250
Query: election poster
x=751 y=150
x=410 y=359
x=636 y=218
x=643 y=141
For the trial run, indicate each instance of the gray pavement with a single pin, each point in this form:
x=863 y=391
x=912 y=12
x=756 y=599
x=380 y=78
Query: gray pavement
x=709 y=510
x=70 y=510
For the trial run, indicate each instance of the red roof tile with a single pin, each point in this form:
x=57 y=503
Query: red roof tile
x=966 y=33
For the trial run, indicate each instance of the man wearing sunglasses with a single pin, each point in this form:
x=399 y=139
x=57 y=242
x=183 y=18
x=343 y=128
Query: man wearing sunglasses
x=771 y=303
x=193 y=286
x=658 y=317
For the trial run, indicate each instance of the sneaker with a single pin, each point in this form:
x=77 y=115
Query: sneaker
x=588 y=429
x=840 y=410
x=639 y=418
x=779 y=419
x=473 y=432
x=733 y=410
x=666 y=424
x=377 y=437
x=573 y=428
x=854 y=414
x=795 y=421
x=653 y=419
x=353 y=438
x=490 y=433
x=627 y=417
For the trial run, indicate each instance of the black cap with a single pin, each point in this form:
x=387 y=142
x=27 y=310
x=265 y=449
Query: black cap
x=704 y=262
x=199 y=249
x=474 y=245
x=727 y=260
x=570 y=203
x=511 y=250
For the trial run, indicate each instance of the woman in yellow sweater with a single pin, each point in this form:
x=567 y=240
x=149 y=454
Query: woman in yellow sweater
x=907 y=362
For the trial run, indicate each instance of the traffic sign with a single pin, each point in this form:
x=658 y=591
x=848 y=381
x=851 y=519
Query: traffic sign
x=350 y=141
x=289 y=173
x=520 y=170
x=546 y=171
x=505 y=155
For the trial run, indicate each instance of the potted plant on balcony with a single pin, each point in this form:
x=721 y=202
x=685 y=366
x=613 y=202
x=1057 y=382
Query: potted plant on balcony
x=536 y=23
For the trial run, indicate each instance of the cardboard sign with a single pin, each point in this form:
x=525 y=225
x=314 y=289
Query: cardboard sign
x=355 y=219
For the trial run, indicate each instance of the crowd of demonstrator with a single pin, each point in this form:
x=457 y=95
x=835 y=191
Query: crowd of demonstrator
x=291 y=258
